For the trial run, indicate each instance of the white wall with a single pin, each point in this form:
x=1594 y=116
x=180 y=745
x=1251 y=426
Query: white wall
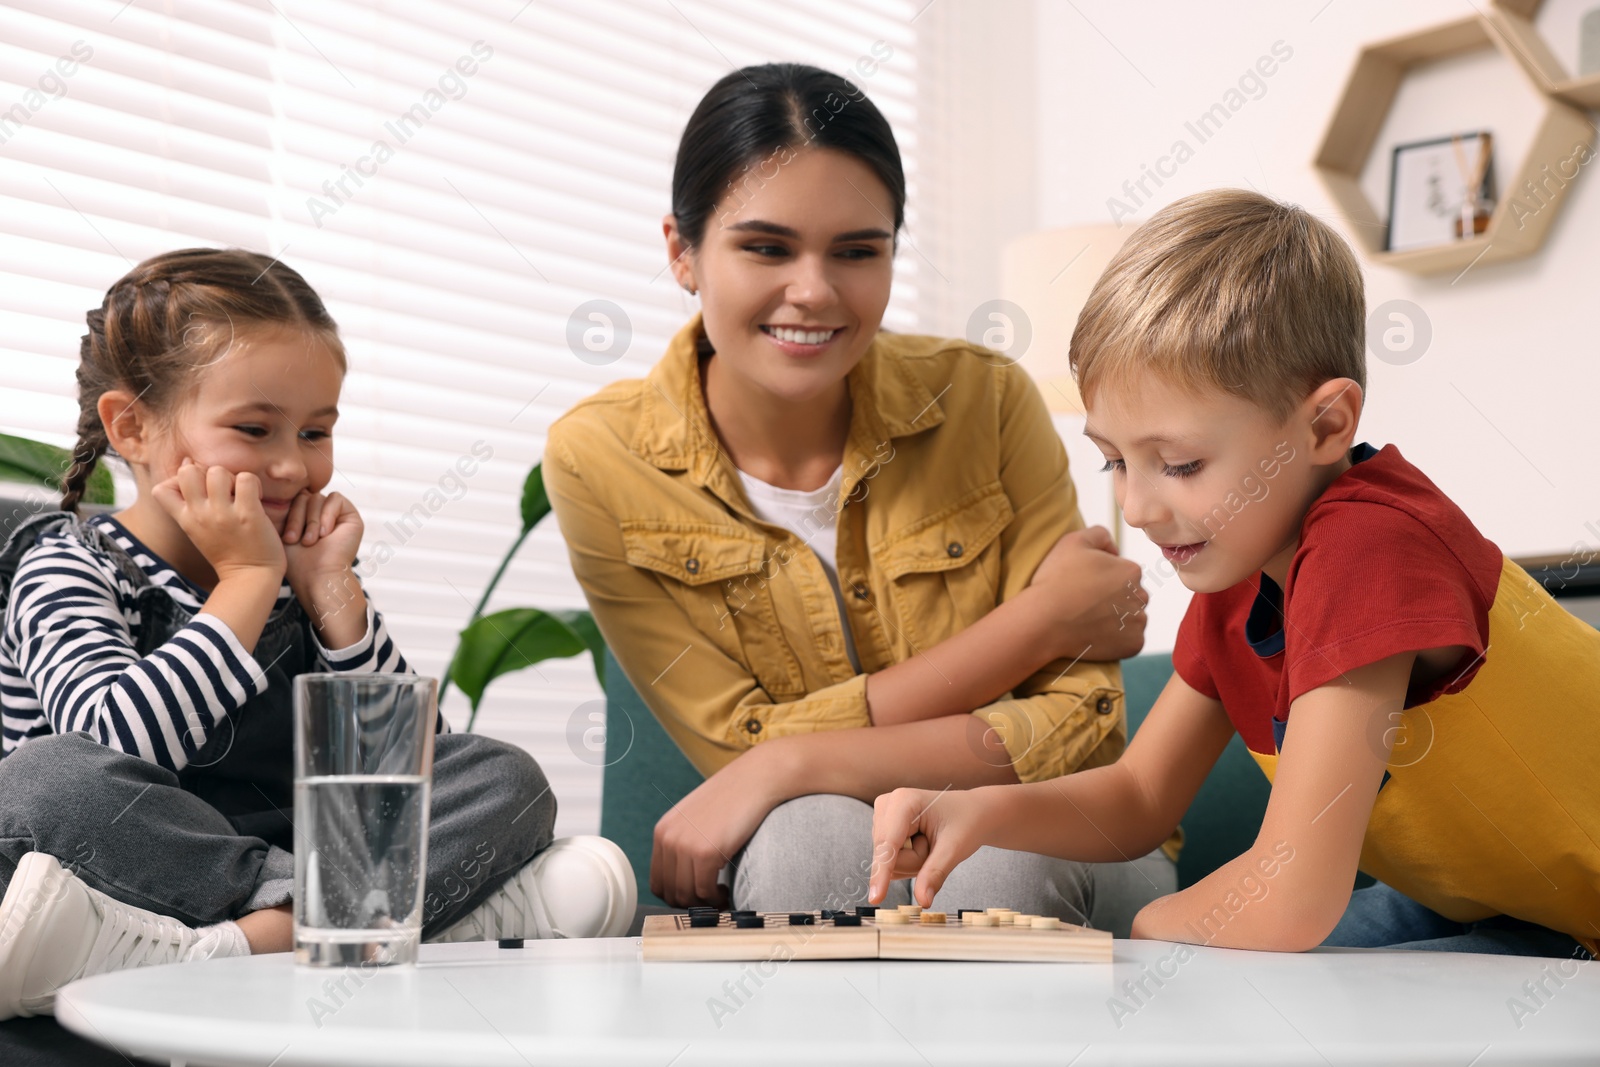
x=1498 y=411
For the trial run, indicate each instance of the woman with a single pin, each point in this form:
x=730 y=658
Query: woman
x=833 y=560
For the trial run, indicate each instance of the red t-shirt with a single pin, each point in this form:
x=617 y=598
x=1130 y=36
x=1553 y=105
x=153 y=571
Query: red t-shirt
x=1386 y=564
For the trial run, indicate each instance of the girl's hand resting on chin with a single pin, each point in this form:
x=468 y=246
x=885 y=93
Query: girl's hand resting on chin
x=321 y=536
x=221 y=513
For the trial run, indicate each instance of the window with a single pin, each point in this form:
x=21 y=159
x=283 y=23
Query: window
x=456 y=179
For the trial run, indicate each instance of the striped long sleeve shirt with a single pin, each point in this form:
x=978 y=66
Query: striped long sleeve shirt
x=69 y=654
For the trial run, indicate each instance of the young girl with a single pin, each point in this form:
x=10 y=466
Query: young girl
x=147 y=657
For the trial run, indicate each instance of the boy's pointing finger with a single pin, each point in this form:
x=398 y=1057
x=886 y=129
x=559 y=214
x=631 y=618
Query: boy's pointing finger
x=894 y=817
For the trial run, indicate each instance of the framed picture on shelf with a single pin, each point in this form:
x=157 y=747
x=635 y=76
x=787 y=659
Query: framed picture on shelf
x=1440 y=190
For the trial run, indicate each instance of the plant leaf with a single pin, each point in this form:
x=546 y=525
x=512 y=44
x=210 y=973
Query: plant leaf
x=535 y=502
x=37 y=463
x=33 y=461
x=508 y=641
x=13 y=473
x=582 y=623
x=100 y=489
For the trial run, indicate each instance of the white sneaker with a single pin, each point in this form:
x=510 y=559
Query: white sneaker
x=54 y=929
x=578 y=887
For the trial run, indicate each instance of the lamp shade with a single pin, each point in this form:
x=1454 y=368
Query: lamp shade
x=1049 y=275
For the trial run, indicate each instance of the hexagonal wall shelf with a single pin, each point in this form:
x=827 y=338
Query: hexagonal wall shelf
x=1530 y=195
x=1515 y=20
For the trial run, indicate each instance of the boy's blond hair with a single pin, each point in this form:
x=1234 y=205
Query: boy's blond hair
x=1227 y=290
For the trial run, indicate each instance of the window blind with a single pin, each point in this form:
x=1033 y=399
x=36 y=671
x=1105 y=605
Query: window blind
x=456 y=179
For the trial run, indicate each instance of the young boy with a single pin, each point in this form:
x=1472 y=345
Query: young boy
x=1425 y=711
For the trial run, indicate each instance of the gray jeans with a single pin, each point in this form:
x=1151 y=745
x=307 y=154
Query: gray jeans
x=129 y=829
x=816 y=852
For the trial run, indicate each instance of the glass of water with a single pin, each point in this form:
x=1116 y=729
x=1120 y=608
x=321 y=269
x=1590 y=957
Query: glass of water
x=363 y=751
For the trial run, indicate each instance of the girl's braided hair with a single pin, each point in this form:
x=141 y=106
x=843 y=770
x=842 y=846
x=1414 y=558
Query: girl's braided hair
x=168 y=318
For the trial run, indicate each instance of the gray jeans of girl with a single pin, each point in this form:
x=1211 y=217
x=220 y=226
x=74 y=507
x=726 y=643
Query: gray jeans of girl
x=215 y=841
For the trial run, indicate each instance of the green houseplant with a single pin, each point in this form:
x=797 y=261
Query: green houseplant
x=36 y=463
x=515 y=638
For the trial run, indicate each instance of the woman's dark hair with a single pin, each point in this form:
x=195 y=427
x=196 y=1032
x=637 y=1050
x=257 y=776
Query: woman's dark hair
x=169 y=318
x=756 y=114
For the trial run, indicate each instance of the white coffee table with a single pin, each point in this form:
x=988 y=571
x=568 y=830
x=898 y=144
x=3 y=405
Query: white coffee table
x=595 y=1002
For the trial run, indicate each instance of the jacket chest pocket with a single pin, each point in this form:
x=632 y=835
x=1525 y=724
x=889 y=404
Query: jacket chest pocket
x=944 y=569
x=721 y=576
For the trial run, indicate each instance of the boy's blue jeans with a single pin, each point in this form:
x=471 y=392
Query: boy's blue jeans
x=1381 y=917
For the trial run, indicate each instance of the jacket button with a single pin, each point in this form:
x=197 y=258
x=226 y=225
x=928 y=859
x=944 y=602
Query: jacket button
x=861 y=592
x=692 y=565
x=1103 y=706
x=954 y=548
x=754 y=726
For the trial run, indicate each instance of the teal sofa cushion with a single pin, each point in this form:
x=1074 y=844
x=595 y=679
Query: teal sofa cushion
x=1225 y=815
x=646 y=773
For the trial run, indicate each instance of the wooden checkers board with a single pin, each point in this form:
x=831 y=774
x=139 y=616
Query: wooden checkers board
x=786 y=935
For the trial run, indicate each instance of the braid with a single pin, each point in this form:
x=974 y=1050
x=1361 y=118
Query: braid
x=92 y=381
x=86 y=454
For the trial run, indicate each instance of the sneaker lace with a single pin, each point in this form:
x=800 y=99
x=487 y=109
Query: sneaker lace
x=507 y=912
x=132 y=938
x=515 y=906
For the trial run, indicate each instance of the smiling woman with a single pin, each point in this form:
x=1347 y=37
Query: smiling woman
x=833 y=560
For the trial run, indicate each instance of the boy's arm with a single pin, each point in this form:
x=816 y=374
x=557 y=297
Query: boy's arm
x=1104 y=814
x=1289 y=890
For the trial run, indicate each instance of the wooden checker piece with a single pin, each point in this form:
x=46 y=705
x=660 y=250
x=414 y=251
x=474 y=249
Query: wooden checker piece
x=816 y=936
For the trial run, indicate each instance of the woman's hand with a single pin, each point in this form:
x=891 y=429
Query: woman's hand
x=1092 y=598
x=704 y=830
x=924 y=833
x=221 y=513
